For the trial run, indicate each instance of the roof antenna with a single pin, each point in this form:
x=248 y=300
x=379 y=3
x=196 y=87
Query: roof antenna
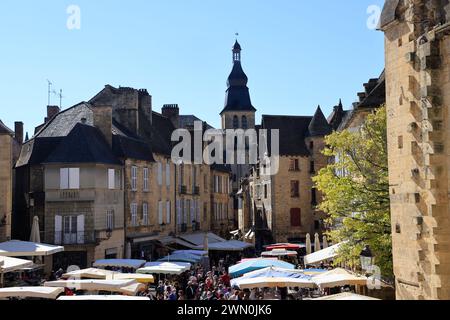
x=60 y=96
x=49 y=90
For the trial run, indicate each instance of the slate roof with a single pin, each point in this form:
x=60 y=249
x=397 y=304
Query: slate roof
x=161 y=134
x=36 y=150
x=319 y=125
x=237 y=96
x=375 y=93
x=293 y=131
x=63 y=123
x=126 y=147
x=4 y=129
x=84 y=144
x=187 y=121
x=388 y=14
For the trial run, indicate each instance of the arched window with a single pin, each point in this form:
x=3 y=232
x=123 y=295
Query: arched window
x=235 y=122
x=244 y=122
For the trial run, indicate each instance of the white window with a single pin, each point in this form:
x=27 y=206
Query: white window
x=160 y=171
x=72 y=229
x=110 y=220
x=134 y=171
x=58 y=229
x=134 y=210
x=146 y=179
x=168 y=213
x=160 y=213
x=69 y=178
x=145 y=214
x=168 y=174
x=111 y=179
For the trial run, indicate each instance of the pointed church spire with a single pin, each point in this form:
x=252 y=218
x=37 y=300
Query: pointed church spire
x=26 y=137
x=319 y=125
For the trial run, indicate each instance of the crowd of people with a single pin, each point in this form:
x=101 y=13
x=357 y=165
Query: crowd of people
x=199 y=284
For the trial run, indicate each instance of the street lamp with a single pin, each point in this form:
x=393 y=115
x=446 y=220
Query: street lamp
x=367 y=258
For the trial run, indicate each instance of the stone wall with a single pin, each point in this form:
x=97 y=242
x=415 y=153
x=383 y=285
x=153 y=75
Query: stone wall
x=5 y=186
x=418 y=96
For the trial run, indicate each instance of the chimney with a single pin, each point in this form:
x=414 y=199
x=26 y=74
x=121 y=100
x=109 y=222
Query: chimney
x=103 y=121
x=145 y=103
x=51 y=112
x=18 y=130
x=172 y=112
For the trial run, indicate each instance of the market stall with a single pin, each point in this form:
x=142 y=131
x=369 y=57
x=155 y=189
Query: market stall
x=31 y=292
x=256 y=264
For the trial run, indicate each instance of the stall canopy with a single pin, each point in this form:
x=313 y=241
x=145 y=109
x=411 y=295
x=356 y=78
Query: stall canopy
x=323 y=255
x=141 y=278
x=199 y=238
x=182 y=257
x=16 y=248
x=90 y=273
x=119 y=263
x=129 y=287
x=194 y=252
x=8 y=264
x=279 y=253
x=274 y=277
x=338 y=278
x=346 y=296
x=285 y=246
x=164 y=268
x=31 y=292
x=102 y=298
x=232 y=245
x=252 y=265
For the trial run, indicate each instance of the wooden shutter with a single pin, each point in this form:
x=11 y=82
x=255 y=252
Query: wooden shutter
x=58 y=229
x=296 y=219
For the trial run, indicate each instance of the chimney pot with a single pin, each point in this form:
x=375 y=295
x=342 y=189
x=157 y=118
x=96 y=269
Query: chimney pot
x=18 y=131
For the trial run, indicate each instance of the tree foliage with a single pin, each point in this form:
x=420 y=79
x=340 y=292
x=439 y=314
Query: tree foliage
x=356 y=192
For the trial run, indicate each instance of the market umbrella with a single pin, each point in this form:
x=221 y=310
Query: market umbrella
x=274 y=277
x=279 y=253
x=339 y=277
x=35 y=235
x=316 y=243
x=31 y=292
x=252 y=265
x=182 y=257
x=325 y=242
x=308 y=244
x=346 y=296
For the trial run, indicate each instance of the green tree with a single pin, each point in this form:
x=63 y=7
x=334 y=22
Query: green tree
x=356 y=192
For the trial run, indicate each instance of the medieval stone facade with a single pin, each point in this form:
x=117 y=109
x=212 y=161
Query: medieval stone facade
x=417 y=40
x=10 y=142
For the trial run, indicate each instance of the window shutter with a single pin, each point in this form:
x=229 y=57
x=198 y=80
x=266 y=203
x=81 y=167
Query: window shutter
x=160 y=213
x=179 y=212
x=58 y=229
x=168 y=213
x=74 y=178
x=111 y=179
x=80 y=229
x=296 y=219
x=64 y=178
x=168 y=174
x=159 y=173
x=198 y=210
x=186 y=209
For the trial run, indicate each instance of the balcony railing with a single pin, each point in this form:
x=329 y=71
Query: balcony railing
x=74 y=238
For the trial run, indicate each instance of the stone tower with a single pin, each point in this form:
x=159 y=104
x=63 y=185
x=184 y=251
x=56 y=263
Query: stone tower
x=238 y=112
x=417 y=41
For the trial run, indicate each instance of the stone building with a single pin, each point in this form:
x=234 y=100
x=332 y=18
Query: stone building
x=373 y=97
x=417 y=49
x=283 y=206
x=10 y=142
x=72 y=180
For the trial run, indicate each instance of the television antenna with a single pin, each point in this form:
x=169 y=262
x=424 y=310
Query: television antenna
x=49 y=90
x=60 y=96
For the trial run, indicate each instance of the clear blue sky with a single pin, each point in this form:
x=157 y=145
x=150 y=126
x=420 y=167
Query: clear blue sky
x=296 y=53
